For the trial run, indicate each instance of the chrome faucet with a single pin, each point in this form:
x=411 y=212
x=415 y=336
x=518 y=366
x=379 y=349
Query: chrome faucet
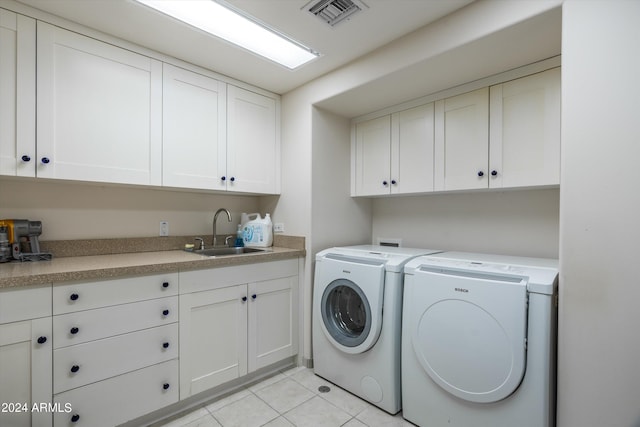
x=215 y=218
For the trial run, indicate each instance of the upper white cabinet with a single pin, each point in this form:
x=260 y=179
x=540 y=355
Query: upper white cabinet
x=412 y=145
x=253 y=142
x=108 y=114
x=462 y=141
x=394 y=153
x=525 y=131
x=503 y=136
x=98 y=110
x=194 y=149
x=372 y=157
x=17 y=94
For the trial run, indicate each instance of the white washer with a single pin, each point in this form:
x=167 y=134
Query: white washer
x=357 y=310
x=479 y=340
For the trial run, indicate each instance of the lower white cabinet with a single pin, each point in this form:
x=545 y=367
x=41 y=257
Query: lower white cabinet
x=115 y=349
x=25 y=357
x=235 y=320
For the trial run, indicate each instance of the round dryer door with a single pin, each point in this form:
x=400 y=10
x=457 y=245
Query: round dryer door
x=470 y=332
x=347 y=316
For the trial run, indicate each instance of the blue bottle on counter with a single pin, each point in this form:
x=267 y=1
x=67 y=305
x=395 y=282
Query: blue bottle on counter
x=239 y=242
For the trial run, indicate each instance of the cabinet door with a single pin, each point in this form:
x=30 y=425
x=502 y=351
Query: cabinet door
x=17 y=94
x=271 y=321
x=462 y=141
x=373 y=157
x=253 y=142
x=213 y=338
x=26 y=372
x=412 y=150
x=525 y=131
x=98 y=110
x=193 y=130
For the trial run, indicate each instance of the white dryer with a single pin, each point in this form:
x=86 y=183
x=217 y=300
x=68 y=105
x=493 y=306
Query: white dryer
x=357 y=314
x=479 y=341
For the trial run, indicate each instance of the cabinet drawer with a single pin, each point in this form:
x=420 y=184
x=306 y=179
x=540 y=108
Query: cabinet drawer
x=216 y=278
x=89 y=325
x=82 y=364
x=24 y=303
x=120 y=399
x=84 y=296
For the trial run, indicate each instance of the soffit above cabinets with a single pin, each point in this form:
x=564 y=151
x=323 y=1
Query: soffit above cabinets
x=376 y=24
x=530 y=41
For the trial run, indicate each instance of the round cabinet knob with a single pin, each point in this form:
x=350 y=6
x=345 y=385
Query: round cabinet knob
x=45 y=160
x=42 y=340
x=75 y=368
x=254 y=296
x=165 y=284
x=75 y=418
x=165 y=386
x=480 y=174
x=494 y=172
x=165 y=312
x=74 y=330
x=165 y=345
x=394 y=182
x=223 y=178
x=26 y=158
x=232 y=179
x=74 y=297
x=385 y=183
x=244 y=299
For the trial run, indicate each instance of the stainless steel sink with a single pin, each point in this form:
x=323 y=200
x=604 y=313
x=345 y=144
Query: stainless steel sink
x=221 y=251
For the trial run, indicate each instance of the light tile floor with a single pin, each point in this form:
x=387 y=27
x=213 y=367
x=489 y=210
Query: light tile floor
x=290 y=398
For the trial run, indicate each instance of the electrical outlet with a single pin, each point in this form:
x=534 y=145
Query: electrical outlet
x=164 y=228
x=278 y=227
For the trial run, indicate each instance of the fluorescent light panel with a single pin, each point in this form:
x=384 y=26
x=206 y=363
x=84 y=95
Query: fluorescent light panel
x=214 y=18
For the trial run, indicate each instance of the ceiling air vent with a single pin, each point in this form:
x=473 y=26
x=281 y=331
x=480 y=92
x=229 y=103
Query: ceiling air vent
x=334 y=11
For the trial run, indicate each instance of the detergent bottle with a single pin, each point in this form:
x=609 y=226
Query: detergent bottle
x=258 y=231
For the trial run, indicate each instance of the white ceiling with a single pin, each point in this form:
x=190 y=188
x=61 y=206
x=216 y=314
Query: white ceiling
x=383 y=22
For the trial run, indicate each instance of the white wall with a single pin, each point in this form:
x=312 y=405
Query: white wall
x=73 y=210
x=294 y=207
x=523 y=222
x=336 y=218
x=599 y=341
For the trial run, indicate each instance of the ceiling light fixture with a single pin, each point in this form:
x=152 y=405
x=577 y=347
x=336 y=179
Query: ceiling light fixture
x=222 y=21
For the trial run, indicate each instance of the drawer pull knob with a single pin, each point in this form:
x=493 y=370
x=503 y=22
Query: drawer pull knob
x=254 y=296
x=165 y=284
x=385 y=183
x=480 y=174
x=45 y=160
x=165 y=312
x=74 y=297
x=223 y=178
x=244 y=299
x=74 y=330
x=165 y=386
x=75 y=368
x=75 y=418
x=494 y=172
x=42 y=340
x=165 y=345
x=232 y=179
x=26 y=158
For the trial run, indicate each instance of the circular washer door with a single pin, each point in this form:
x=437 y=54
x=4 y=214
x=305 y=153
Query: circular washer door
x=471 y=336
x=346 y=316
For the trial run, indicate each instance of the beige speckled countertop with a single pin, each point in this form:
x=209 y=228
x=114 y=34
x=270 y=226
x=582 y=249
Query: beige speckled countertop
x=96 y=267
